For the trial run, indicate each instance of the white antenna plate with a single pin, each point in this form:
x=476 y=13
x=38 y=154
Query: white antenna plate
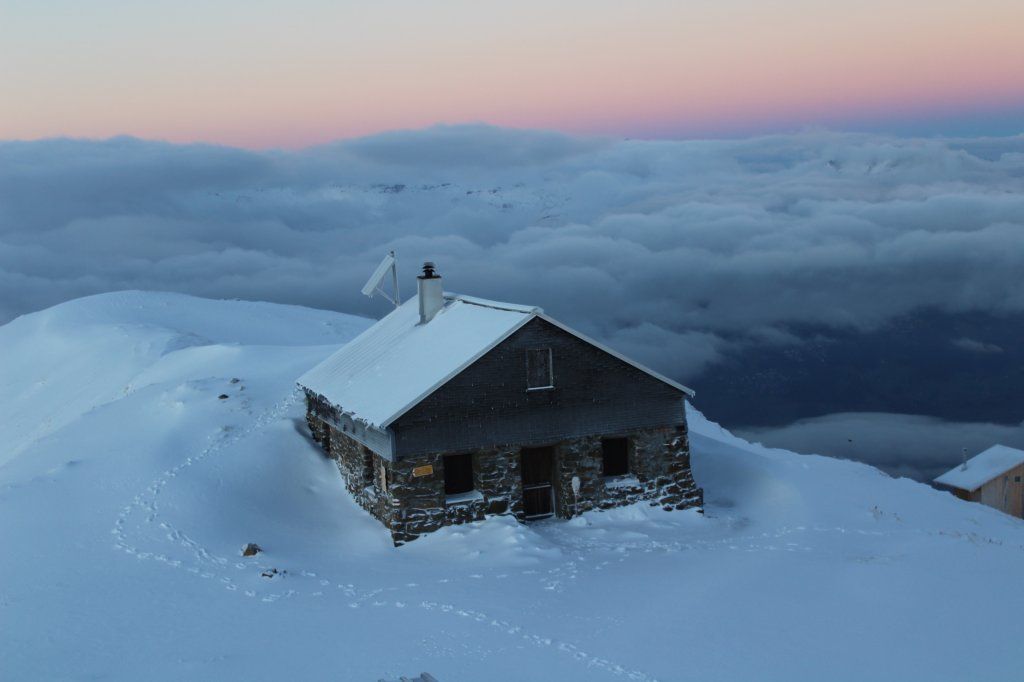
x=374 y=284
x=378 y=275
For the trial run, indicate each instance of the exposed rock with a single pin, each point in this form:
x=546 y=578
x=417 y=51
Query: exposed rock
x=252 y=549
x=223 y=396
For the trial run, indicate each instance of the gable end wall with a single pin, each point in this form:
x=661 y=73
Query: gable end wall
x=1004 y=492
x=487 y=404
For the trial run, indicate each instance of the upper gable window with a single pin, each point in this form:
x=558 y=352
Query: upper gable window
x=538 y=369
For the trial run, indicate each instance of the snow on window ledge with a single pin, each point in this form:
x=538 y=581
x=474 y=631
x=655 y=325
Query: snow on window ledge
x=540 y=388
x=464 y=498
x=627 y=481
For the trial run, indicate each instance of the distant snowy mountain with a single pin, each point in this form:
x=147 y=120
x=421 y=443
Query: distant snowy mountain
x=146 y=438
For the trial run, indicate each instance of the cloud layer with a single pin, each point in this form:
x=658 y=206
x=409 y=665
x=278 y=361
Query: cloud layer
x=903 y=445
x=676 y=252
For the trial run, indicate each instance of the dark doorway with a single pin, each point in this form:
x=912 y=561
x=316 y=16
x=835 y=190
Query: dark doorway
x=538 y=465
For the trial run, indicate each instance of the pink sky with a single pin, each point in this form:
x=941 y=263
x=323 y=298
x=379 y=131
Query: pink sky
x=275 y=74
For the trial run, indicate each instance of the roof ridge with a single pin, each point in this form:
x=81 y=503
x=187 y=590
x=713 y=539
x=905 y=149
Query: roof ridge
x=1000 y=445
x=496 y=305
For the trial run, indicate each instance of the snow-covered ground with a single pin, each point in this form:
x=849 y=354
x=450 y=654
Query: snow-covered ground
x=128 y=489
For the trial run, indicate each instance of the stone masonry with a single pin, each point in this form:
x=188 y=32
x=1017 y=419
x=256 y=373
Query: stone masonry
x=410 y=505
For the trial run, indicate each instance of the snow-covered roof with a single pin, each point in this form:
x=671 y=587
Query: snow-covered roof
x=982 y=468
x=398 y=362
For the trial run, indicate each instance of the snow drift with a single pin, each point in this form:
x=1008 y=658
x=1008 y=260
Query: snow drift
x=147 y=438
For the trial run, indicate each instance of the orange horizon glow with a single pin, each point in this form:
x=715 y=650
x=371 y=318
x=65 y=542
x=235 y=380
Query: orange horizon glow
x=293 y=76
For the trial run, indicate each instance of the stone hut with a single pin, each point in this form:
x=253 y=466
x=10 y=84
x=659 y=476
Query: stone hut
x=454 y=408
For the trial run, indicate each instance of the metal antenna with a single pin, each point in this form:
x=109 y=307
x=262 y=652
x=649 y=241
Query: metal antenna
x=373 y=285
x=963 y=452
x=394 y=278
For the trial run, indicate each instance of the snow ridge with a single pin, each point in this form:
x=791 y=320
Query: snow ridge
x=124 y=519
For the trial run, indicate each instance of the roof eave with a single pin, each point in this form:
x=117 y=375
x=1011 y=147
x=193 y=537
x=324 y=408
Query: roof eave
x=954 y=486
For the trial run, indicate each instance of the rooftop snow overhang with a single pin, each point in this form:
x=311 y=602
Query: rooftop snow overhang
x=376 y=439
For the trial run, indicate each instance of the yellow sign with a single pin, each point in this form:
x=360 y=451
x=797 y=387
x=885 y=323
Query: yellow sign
x=425 y=470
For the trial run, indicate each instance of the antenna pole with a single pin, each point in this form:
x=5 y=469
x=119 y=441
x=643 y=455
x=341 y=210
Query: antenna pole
x=394 y=279
x=963 y=452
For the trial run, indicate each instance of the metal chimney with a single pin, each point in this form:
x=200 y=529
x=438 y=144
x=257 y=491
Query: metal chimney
x=431 y=292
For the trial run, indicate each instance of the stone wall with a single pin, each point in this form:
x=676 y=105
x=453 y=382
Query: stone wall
x=419 y=500
x=411 y=505
x=497 y=475
x=659 y=473
x=366 y=474
x=319 y=430
x=420 y=503
x=663 y=461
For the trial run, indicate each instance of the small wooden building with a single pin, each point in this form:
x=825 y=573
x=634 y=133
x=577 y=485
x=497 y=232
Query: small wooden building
x=993 y=477
x=452 y=408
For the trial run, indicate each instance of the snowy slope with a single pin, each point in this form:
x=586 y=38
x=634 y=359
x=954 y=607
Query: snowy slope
x=127 y=489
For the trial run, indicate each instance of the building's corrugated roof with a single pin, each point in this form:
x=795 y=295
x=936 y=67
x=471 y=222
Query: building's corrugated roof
x=397 y=362
x=982 y=468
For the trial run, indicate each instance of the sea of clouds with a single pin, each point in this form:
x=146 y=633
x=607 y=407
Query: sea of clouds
x=915 y=446
x=677 y=252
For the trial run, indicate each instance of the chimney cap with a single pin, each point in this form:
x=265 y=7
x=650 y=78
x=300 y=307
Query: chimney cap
x=429 y=271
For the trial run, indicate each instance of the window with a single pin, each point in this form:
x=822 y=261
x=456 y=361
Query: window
x=538 y=369
x=615 y=452
x=458 y=474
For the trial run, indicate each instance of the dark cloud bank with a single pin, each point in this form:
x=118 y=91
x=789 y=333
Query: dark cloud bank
x=733 y=265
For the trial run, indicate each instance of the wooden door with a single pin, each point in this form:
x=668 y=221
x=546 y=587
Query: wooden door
x=538 y=467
